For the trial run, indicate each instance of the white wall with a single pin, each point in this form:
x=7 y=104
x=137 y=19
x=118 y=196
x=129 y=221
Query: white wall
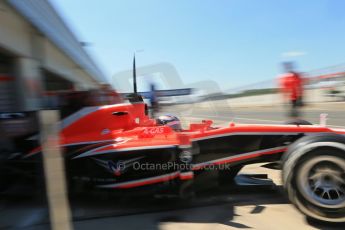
x=14 y=31
x=34 y=51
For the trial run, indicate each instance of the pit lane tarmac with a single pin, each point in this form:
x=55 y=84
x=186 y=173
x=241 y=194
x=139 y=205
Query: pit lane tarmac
x=101 y=207
x=29 y=210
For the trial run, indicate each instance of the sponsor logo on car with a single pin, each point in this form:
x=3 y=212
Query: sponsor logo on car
x=119 y=167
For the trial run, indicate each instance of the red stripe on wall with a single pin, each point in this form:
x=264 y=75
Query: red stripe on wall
x=6 y=78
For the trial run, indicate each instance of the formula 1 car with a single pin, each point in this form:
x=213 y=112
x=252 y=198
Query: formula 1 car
x=120 y=147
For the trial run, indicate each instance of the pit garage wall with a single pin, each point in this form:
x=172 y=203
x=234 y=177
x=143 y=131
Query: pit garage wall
x=33 y=52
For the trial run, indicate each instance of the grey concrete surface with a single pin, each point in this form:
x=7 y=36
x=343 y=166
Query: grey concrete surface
x=256 y=209
x=224 y=113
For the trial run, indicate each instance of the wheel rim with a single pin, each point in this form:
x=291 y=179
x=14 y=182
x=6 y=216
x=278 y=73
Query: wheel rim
x=321 y=180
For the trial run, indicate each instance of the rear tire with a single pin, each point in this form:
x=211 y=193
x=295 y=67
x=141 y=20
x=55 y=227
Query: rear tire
x=315 y=180
x=297 y=122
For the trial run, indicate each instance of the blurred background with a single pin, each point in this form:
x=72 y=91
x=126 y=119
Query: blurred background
x=223 y=60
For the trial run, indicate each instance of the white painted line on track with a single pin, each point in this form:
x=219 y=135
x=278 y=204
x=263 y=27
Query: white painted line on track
x=252 y=119
x=336 y=126
x=238 y=118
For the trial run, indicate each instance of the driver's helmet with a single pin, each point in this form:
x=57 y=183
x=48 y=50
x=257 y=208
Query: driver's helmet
x=171 y=121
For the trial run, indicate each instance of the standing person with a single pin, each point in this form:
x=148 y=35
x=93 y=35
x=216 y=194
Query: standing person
x=291 y=86
x=154 y=106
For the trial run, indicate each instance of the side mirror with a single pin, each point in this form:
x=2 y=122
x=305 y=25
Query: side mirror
x=120 y=113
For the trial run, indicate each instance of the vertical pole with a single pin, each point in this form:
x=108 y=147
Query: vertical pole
x=323 y=119
x=54 y=171
x=134 y=77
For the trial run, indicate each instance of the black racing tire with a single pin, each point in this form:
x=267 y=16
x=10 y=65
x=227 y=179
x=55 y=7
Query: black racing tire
x=314 y=176
x=297 y=122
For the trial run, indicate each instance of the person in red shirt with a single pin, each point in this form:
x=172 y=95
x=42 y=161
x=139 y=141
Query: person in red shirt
x=291 y=86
